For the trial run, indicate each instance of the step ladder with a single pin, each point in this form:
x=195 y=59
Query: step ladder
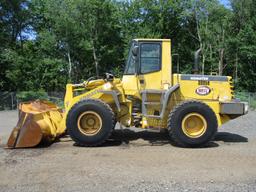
x=165 y=95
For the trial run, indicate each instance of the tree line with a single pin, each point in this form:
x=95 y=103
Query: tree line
x=48 y=43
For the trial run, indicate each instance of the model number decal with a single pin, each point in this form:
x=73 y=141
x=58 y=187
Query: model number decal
x=203 y=90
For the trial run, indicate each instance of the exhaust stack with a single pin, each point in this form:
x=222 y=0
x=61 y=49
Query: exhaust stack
x=197 y=61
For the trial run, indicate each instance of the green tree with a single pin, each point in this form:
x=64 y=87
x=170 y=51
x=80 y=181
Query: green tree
x=243 y=43
x=47 y=43
x=87 y=34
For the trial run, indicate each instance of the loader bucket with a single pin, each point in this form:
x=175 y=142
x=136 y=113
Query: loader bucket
x=38 y=121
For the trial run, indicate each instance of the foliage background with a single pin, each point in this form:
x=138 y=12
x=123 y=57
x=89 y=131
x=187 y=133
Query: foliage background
x=47 y=43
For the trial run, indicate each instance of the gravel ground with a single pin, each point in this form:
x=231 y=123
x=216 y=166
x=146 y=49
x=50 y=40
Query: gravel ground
x=133 y=160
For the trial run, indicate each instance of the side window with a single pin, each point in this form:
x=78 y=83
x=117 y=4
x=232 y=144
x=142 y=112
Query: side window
x=131 y=65
x=130 y=68
x=150 y=57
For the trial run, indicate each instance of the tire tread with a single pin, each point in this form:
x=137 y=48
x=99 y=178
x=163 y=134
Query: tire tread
x=170 y=121
x=112 y=119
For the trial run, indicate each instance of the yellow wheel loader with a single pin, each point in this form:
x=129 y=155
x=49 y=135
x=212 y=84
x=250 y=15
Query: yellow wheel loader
x=149 y=95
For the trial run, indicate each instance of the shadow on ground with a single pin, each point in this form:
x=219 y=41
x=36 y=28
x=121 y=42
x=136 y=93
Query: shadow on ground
x=120 y=137
x=230 y=138
x=154 y=138
x=127 y=136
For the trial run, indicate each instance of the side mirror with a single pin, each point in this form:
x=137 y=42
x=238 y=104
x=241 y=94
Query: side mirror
x=135 y=51
x=109 y=77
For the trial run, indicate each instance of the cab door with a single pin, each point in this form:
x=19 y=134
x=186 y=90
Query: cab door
x=150 y=59
x=130 y=78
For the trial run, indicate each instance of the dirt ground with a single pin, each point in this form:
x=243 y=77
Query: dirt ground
x=133 y=160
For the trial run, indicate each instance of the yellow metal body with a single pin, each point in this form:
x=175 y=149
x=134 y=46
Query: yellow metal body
x=221 y=91
x=129 y=90
x=130 y=86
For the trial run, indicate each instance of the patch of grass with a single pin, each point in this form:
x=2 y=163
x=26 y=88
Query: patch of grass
x=247 y=97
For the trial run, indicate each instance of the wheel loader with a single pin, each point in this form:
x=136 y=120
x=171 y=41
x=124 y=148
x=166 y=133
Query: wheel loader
x=190 y=107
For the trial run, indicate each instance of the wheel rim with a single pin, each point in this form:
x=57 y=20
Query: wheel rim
x=89 y=123
x=194 y=125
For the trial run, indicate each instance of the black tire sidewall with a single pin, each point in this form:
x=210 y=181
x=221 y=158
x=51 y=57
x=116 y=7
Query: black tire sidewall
x=194 y=107
x=89 y=105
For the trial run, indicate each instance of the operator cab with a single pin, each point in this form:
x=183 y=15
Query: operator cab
x=148 y=66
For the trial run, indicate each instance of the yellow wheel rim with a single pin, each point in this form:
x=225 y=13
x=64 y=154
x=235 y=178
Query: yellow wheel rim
x=194 y=125
x=89 y=123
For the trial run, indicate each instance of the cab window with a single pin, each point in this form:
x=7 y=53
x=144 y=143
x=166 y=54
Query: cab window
x=150 y=57
x=130 y=68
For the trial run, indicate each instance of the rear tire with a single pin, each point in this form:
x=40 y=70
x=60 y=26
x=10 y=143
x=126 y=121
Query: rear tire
x=90 y=122
x=192 y=124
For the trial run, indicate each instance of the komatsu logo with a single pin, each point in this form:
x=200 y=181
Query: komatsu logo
x=203 y=78
x=199 y=78
x=203 y=90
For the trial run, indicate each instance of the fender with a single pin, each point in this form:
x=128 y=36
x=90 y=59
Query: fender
x=115 y=97
x=167 y=96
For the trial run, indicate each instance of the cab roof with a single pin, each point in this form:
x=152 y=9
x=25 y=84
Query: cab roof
x=141 y=39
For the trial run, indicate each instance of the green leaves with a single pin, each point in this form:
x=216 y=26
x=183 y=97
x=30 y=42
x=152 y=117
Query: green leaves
x=24 y=96
x=74 y=39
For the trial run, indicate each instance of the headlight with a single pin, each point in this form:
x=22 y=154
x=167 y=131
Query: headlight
x=107 y=86
x=166 y=86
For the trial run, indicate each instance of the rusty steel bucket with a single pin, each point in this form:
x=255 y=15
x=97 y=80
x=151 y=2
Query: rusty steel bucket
x=38 y=121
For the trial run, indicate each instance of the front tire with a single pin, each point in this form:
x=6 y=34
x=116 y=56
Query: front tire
x=90 y=122
x=192 y=124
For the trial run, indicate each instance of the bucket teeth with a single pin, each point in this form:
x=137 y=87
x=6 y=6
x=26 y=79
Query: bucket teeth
x=35 y=124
